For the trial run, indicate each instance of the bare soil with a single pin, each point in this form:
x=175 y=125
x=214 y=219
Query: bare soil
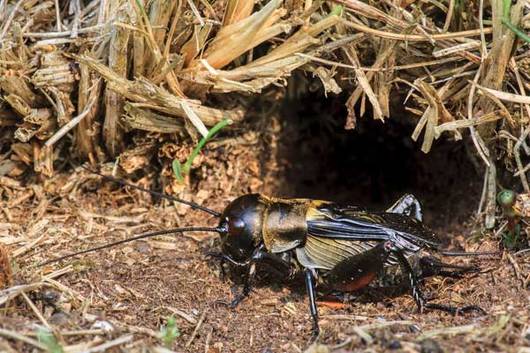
x=133 y=289
x=141 y=284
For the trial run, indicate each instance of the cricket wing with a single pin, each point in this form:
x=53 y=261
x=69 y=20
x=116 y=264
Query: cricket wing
x=332 y=221
x=335 y=233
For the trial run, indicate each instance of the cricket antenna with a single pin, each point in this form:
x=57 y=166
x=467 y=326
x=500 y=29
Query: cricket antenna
x=155 y=193
x=138 y=237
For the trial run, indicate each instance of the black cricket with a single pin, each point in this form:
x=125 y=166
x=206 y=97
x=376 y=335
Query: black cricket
x=335 y=247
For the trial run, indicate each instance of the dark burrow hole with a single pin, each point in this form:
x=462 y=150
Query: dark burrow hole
x=374 y=164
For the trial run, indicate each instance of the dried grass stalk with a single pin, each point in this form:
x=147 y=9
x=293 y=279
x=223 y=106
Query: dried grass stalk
x=162 y=60
x=118 y=61
x=154 y=97
x=87 y=132
x=237 y=10
x=6 y=273
x=236 y=38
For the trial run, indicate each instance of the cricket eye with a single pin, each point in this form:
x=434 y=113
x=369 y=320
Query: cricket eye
x=236 y=226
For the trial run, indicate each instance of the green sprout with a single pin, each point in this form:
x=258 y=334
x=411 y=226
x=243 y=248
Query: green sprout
x=337 y=10
x=47 y=338
x=506 y=5
x=170 y=332
x=180 y=170
x=511 y=238
x=506 y=199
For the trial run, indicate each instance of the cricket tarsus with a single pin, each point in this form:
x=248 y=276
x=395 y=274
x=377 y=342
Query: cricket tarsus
x=432 y=266
x=455 y=310
x=241 y=296
x=155 y=193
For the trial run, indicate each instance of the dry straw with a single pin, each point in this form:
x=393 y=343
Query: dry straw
x=85 y=76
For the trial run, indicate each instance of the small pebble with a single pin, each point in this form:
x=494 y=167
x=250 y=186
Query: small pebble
x=143 y=248
x=59 y=318
x=430 y=346
x=394 y=344
x=102 y=325
x=527 y=335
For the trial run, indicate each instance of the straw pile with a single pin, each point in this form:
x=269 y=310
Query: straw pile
x=105 y=79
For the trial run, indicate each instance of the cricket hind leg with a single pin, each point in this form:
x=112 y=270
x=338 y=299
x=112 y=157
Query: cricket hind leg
x=418 y=296
x=310 y=284
x=353 y=273
x=407 y=205
x=358 y=271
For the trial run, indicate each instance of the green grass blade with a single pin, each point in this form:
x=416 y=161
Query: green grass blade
x=506 y=6
x=516 y=30
x=49 y=341
x=170 y=332
x=181 y=170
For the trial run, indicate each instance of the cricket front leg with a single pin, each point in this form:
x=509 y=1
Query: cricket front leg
x=260 y=256
x=248 y=270
x=247 y=286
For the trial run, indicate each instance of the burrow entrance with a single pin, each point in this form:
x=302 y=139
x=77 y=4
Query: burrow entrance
x=374 y=164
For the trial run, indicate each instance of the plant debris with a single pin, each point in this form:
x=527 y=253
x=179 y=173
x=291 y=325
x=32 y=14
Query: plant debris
x=6 y=273
x=101 y=78
x=140 y=82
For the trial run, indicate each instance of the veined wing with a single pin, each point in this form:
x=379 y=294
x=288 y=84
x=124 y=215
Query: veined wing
x=336 y=222
x=326 y=253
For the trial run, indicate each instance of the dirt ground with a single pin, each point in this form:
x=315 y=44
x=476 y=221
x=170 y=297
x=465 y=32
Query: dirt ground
x=118 y=299
x=291 y=141
x=134 y=288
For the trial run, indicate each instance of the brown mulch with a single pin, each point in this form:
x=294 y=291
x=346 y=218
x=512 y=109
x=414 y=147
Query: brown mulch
x=133 y=289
